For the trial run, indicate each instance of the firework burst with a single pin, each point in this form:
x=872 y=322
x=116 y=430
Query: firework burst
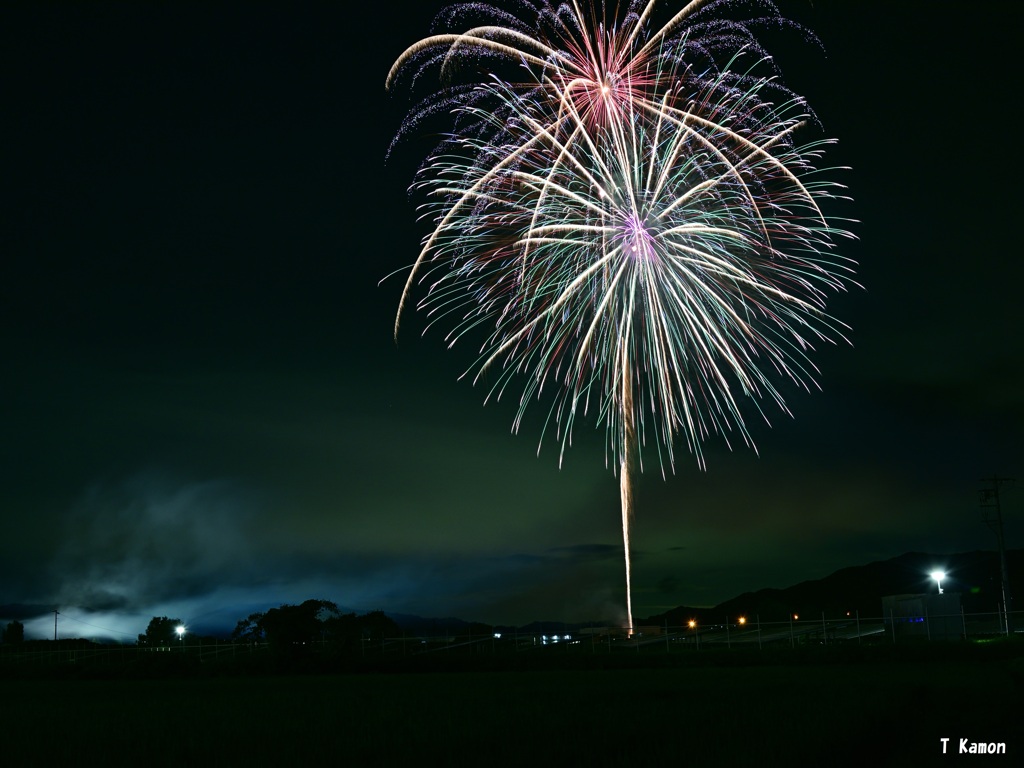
x=634 y=226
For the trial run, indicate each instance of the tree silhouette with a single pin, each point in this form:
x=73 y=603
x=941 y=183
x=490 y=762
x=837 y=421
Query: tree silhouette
x=375 y=625
x=15 y=632
x=293 y=628
x=161 y=631
x=250 y=629
x=292 y=625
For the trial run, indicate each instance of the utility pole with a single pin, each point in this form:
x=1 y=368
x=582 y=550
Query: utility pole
x=992 y=514
x=55 y=612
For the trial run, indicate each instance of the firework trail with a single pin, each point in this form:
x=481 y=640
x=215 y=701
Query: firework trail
x=631 y=224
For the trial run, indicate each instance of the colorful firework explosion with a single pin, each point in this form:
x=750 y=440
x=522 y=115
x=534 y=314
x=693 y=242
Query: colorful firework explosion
x=632 y=224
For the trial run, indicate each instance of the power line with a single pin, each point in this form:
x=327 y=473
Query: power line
x=57 y=613
x=97 y=626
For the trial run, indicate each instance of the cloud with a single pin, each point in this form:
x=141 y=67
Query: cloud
x=149 y=538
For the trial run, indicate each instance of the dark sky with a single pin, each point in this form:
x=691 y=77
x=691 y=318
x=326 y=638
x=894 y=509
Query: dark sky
x=205 y=413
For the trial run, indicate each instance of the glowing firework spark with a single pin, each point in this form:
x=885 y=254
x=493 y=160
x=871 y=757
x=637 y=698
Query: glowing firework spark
x=643 y=236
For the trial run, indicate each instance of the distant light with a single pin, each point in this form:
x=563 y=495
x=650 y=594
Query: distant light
x=692 y=623
x=796 y=616
x=566 y=637
x=743 y=620
x=180 y=629
x=497 y=635
x=938 y=576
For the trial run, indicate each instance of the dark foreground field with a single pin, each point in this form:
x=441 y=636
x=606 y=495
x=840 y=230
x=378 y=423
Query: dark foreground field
x=718 y=709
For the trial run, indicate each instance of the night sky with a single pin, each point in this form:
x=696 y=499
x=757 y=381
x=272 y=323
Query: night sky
x=205 y=414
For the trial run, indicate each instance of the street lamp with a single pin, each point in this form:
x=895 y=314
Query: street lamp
x=180 y=629
x=938 y=576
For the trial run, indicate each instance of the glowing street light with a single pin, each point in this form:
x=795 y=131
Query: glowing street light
x=743 y=619
x=180 y=629
x=938 y=576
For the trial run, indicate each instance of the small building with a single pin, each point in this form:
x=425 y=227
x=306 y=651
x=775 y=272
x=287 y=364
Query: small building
x=926 y=616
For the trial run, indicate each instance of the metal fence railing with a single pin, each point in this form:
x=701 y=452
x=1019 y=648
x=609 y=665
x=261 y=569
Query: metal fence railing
x=740 y=631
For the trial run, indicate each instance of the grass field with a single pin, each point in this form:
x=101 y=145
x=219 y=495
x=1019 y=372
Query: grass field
x=715 y=709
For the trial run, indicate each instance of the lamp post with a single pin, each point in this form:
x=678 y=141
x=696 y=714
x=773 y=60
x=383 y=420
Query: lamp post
x=938 y=576
x=180 y=629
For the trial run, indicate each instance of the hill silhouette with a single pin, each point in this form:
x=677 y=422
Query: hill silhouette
x=975 y=575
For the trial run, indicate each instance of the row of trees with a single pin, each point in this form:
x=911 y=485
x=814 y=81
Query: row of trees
x=313 y=621
x=289 y=626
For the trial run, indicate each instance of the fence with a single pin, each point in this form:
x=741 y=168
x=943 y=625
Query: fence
x=740 y=632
